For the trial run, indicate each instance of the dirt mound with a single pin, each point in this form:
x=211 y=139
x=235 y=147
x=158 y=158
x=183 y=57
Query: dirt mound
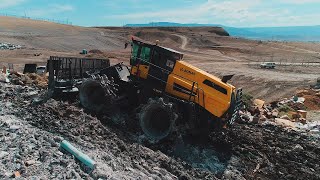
x=244 y=151
x=115 y=151
x=165 y=39
x=57 y=37
x=270 y=152
x=312 y=99
x=95 y=51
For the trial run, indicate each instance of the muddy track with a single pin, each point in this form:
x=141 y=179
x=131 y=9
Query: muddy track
x=243 y=151
x=70 y=122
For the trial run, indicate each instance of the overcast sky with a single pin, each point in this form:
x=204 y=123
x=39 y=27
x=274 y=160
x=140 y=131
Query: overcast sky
x=237 y=13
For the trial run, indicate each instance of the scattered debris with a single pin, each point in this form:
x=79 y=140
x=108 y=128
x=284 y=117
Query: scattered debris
x=3 y=154
x=16 y=174
x=30 y=162
x=286 y=123
x=29 y=79
x=4 y=75
x=259 y=103
x=9 y=46
x=95 y=51
x=118 y=155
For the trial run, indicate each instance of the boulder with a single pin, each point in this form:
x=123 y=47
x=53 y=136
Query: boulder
x=255 y=119
x=275 y=113
x=285 y=117
x=259 y=103
x=285 y=123
x=263 y=118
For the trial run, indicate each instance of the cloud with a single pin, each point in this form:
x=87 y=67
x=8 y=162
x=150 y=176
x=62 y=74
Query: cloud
x=203 y=13
x=51 y=9
x=300 y=1
x=10 y=3
x=62 y=7
x=241 y=13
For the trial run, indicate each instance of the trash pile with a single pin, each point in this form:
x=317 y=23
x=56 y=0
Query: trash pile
x=9 y=46
x=32 y=144
x=288 y=112
x=29 y=79
x=32 y=134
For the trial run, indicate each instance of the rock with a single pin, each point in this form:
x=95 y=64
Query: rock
x=184 y=177
x=296 y=116
x=263 y=118
x=8 y=174
x=275 y=113
x=255 y=119
x=315 y=131
x=245 y=117
x=232 y=174
x=269 y=115
x=58 y=139
x=53 y=143
x=284 y=122
x=30 y=162
x=303 y=120
x=3 y=154
x=259 y=103
x=16 y=174
x=285 y=117
x=14 y=128
x=298 y=147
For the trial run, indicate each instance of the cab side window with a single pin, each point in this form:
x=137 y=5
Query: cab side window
x=215 y=86
x=145 y=55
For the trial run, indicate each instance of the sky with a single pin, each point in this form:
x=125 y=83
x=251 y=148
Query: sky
x=235 y=13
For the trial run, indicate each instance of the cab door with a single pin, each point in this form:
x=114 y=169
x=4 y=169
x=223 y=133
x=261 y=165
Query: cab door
x=140 y=60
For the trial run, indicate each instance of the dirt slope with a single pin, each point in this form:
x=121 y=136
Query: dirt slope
x=58 y=37
x=33 y=131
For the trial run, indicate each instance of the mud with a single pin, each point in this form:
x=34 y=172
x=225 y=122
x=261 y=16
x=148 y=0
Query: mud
x=245 y=151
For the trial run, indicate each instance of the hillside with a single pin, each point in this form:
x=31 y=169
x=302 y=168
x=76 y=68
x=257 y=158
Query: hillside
x=58 y=37
x=294 y=33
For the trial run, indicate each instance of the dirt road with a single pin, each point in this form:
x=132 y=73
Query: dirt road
x=184 y=41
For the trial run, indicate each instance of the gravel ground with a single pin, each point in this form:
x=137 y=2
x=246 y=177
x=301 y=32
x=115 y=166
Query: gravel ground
x=31 y=133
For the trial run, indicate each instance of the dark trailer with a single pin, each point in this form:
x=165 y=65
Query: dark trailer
x=66 y=72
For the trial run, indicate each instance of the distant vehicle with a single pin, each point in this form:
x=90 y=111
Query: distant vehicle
x=3 y=46
x=268 y=65
x=11 y=46
x=41 y=70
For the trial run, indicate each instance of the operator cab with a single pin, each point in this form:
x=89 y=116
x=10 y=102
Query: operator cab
x=150 y=61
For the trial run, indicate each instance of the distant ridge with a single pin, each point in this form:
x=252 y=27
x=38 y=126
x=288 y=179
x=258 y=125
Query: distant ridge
x=171 y=24
x=292 y=33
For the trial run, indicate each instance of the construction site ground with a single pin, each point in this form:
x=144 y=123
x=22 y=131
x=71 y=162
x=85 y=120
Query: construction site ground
x=30 y=132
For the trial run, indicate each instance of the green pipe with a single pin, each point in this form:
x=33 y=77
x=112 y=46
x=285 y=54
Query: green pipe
x=85 y=159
